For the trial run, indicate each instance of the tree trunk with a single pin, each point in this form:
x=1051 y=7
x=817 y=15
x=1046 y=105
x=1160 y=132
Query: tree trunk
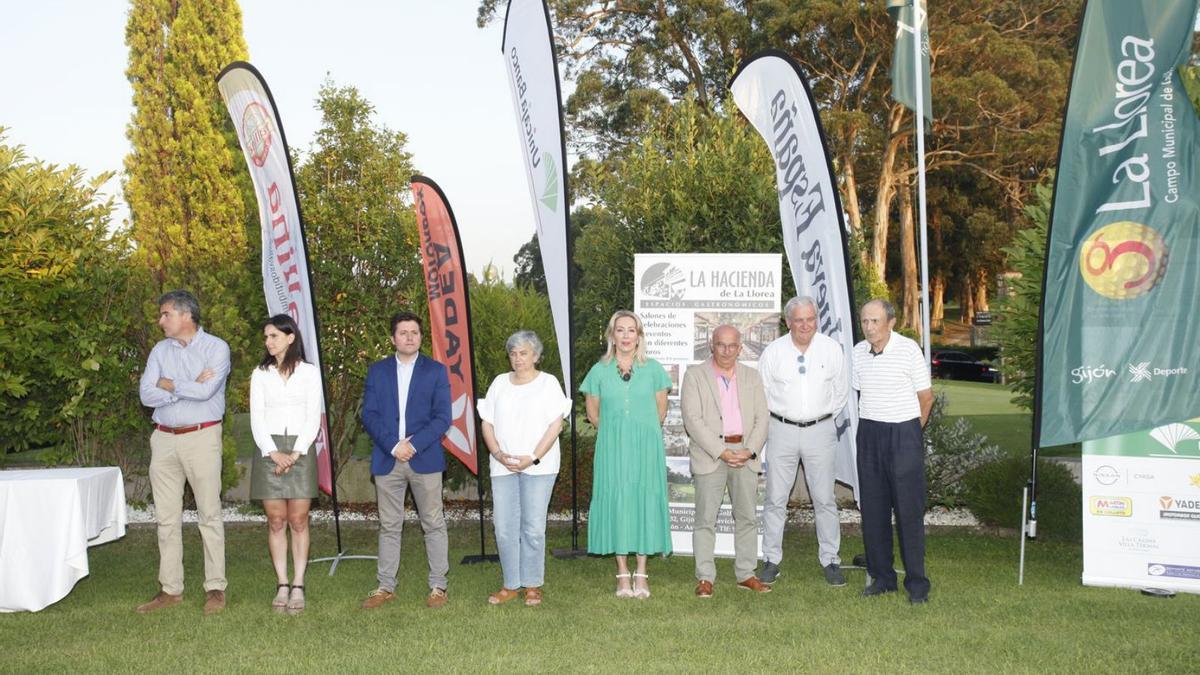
x=937 y=305
x=853 y=213
x=883 y=196
x=981 y=292
x=908 y=258
x=967 y=302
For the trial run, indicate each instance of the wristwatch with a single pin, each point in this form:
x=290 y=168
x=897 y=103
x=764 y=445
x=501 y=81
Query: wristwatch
x=536 y=460
x=754 y=455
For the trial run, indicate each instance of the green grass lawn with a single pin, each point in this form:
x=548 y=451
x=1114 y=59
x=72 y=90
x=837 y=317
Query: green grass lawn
x=979 y=619
x=989 y=409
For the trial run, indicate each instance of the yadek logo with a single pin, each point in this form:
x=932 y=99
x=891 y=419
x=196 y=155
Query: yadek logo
x=1179 y=508
x=1106 y=475
x=1089 y=374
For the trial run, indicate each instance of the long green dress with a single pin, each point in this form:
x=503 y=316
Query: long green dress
x=628 y=513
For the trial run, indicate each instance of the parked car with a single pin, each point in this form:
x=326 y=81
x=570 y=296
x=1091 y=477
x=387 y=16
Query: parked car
x=962 y=366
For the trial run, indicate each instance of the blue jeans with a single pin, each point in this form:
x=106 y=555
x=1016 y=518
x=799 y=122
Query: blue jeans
x=519 y=504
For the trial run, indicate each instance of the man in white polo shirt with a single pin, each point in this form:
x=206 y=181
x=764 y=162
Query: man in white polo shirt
x=895 y=396
x=804 y=373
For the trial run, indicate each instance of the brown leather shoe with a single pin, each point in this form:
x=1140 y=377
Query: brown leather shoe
x=437 y=598
x=377 y=598
x=753 y=584
x=163 y=599
x=704 y=589
x=215 y=602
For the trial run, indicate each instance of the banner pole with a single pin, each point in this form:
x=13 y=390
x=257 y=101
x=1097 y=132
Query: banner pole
x=919 y=120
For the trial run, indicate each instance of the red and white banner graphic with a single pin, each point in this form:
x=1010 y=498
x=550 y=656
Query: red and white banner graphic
x=449 y=313
x=286 y=282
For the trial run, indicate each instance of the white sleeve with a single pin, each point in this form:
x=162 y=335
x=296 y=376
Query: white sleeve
x=487 y=404
x=258 y=413
x=918 y=371
x=312 y=410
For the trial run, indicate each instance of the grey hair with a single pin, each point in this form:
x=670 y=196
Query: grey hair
x=798 y=301
x=888 y=308
x=182 y=301
x=524 y=338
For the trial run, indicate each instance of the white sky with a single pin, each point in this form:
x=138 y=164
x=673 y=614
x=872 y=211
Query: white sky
x=428 y=70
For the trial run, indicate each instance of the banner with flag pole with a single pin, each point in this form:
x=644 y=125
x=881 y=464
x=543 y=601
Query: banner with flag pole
x=449 y=313
x=450 y=334
x=773 y=94
x=911 y=88
x=532 y=67
x=287 y=280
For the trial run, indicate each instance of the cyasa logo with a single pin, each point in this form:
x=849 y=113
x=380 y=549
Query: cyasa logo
x=256 y=130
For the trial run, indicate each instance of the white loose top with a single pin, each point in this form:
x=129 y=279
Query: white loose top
x=520 y=414
x=890 y=379
x=279 y=407
x=820 y=390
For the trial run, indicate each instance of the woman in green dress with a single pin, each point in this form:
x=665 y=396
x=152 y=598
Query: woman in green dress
x=626 y=398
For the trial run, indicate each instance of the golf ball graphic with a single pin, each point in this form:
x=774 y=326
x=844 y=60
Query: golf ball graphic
x=1123 y=260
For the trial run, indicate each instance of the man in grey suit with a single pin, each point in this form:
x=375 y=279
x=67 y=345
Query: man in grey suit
x=725 y=414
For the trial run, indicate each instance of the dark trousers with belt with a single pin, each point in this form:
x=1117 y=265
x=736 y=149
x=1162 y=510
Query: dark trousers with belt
x=891 y=478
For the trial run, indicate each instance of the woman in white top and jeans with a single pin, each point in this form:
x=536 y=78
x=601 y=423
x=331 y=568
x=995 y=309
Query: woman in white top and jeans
x=522 y=417
x=285 y=416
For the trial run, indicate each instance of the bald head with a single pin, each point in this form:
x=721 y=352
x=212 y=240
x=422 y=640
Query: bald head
x=726 y=346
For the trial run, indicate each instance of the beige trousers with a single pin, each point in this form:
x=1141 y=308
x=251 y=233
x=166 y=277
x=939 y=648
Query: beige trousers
x=193 y=458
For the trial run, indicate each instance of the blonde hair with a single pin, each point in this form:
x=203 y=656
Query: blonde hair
x=639 y=354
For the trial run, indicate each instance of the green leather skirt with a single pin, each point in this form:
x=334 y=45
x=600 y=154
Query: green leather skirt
x=300 y=482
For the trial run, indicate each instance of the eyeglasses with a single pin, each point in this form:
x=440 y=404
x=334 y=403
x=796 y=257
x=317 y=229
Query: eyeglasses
x=800 y=360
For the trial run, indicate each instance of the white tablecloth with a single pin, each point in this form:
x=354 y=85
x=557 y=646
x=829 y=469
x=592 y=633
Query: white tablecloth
x=48 y=519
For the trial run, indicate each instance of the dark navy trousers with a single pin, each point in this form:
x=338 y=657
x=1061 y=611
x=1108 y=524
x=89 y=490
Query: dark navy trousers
x=891 y=478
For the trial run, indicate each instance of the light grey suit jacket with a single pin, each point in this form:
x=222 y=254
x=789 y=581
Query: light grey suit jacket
x=701 y=408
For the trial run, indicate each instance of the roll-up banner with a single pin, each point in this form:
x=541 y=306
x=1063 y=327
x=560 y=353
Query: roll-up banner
x=449 y=313
x=1120 y=340
x=773 y=94
x=286 y=281
x=1141 y=509
x=682 y=298
x=537 y=100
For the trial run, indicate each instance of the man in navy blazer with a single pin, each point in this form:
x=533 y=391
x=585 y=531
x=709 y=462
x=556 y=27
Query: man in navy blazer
x=406 y=409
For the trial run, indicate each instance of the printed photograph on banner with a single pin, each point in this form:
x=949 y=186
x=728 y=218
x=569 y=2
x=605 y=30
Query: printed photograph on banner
x=682 y=298
x=757 y=329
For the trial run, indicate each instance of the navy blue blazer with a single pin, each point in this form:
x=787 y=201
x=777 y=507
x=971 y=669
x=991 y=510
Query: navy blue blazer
x=426 y=416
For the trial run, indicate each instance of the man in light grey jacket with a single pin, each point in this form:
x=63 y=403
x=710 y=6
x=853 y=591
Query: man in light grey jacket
x=725 y=414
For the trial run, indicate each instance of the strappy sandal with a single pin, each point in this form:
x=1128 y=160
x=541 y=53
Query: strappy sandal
x=533 y=597
x=502 y=596
x=624 y=592
x=281 y=597
x=295 y=603
x=642 y=593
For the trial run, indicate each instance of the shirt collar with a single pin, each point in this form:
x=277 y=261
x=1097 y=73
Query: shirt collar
x=195 y=338
x=402 y=364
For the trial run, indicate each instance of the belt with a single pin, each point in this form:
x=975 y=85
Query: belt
x=807 y=423
x=732 y=438
x=187 y=429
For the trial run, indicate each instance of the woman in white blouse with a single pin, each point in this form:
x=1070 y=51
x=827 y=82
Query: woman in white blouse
x=285 y=416
x=522 y=417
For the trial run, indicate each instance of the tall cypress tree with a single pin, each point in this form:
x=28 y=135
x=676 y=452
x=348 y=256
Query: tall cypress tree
x=186 y=182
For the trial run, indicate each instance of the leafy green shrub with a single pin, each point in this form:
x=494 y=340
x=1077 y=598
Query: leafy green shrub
x=993 y=493
x=953 y=449
x=560 y=499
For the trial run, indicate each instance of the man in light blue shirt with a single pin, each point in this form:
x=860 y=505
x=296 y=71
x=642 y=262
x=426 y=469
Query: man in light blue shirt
x=184 y=382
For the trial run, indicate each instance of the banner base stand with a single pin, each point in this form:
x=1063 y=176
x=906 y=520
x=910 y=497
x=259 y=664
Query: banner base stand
x=337 y=559
x=481 y=558
x=1158 y=592
x=569 y=553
